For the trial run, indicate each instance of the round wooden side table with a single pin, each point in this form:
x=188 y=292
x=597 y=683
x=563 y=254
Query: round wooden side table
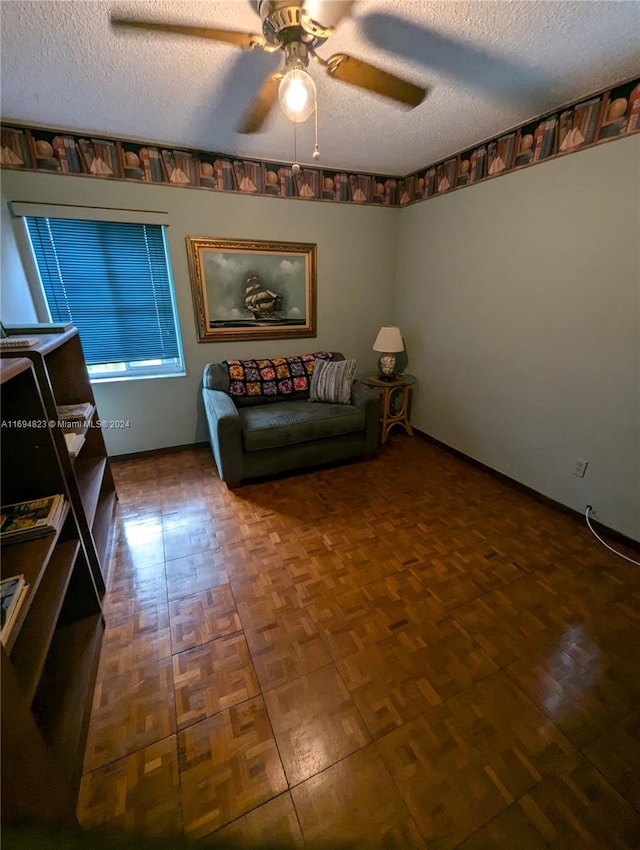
x=395 y=401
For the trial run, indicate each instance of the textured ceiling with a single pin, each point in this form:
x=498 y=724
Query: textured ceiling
x=488 y=67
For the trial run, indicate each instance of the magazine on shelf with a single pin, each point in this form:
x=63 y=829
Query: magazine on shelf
x=28 y=520
x=12 y=593
x=75 y=412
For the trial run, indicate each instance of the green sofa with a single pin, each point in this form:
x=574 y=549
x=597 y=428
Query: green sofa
x=255 y=436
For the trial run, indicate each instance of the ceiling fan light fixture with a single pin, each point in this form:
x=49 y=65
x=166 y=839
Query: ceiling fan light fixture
x=297 y=94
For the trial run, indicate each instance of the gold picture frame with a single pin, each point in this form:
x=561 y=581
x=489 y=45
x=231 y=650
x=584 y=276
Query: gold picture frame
x=251 y=289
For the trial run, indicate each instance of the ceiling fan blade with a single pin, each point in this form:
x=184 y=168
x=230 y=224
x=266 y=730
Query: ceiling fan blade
x=471 y=65
x=262 y=105
x=365 y=76
x=246 y=40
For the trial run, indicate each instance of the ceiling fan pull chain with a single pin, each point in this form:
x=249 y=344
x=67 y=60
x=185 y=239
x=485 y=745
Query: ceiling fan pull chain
x=316 y=150
x=296 y=166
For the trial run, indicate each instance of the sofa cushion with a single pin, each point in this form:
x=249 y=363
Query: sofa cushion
x=296 y=421
x=331 y=382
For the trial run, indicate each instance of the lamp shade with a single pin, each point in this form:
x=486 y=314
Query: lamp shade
x=389 y=339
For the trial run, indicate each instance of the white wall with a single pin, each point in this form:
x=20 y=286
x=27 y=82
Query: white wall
x=16 y=304
x=356 y=270
x=519 y=299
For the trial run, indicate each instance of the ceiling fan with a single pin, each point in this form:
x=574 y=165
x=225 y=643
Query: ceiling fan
x=297 y=27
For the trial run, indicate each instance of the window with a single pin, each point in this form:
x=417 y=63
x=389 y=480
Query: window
x=112 y=280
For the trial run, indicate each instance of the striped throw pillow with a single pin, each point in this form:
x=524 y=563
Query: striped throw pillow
x=331 y=381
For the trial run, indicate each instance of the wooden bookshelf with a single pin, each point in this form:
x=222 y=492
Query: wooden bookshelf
x=50 y=657
x=61 y=372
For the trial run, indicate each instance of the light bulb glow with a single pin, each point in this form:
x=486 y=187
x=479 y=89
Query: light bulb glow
x=297 y=95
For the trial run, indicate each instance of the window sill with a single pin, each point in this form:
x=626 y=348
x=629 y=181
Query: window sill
x=109 y=379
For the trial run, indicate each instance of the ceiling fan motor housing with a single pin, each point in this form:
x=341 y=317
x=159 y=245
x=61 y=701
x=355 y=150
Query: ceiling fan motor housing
x=285 y=22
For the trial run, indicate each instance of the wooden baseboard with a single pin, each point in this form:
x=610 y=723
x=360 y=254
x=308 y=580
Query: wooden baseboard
x=540 y=497
x=156 y=452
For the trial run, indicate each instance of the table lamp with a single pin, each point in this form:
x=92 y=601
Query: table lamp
x=389 y=342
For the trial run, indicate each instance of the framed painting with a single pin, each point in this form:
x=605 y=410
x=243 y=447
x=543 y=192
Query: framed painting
x=251 y=289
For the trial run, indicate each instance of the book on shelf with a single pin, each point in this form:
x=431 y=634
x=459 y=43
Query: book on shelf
x=99 y=158
x=74 y=441
x=225 y=174
x=390 y=192
x=362 y=190
x=75 y=412
x=500 y=154
x=249 y=176
x=406 y=190
x=180 y=167
x=285 y=175
x=342 y=187
x=307 y=183
x=446 y=176
x=28 y=520
x=12 y=594
x=151 y=167
x=67 y=153
x=577 y=126
x=37 y=328
x=14 y=148
x=18 y=342
x=544 y=139
x=429 y=188
x=478 y=161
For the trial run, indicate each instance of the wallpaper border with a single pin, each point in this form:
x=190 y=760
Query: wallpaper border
x=607 y=115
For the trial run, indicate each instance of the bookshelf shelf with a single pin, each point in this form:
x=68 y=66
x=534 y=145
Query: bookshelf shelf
x=90 y=475
x=50 y=658
x=29 y=565
x=26 y=558
x=102 y=523
x=63 y=706
x=30 y=650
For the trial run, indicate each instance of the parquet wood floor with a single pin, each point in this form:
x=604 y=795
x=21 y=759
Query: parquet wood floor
x=405 y=652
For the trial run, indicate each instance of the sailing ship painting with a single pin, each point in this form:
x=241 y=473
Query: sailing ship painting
x=263 y=303
x=251 y=290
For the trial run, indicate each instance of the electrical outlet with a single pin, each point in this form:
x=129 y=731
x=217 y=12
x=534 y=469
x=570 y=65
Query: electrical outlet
x=580 y=467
